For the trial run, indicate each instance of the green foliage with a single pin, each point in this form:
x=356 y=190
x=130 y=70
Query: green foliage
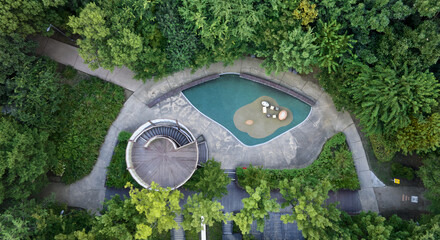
x=256 y=207
x=430 y=175
x=121 y=33
x=401 y=229
x=69 y=72
x=297 y=51
x=32 y=220
x=427 y=8
x=383 y=148
x=414 y=46
x=182 y=43
x=313 y=218
x=332 y=45
x=366 y=226
x=306 y=12
x=36 y=95
x=429 y=230
x=196 y=207
x=225 y=27
x=26 y=156
x=28 y=16
x=87 y=111
x=334 y=163
x=385 y=98
x=159 y=206
x=420 y=136
x=398 y=170
x=210 y=180
x=338 y=83
x=117 y=174
x=251 y=176
x=119 y=220
x=14 y=54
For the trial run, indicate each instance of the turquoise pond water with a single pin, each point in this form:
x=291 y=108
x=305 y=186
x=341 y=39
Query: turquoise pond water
x=219 y=99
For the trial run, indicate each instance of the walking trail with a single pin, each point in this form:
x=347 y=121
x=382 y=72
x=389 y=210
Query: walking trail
x=295 y=149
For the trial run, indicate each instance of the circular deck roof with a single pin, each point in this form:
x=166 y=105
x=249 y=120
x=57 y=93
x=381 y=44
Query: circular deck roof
x=162 y=151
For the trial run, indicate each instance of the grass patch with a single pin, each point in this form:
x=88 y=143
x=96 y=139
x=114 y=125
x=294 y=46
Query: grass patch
x=383 y=149
x=87 y=111
x=334 y=163
x=117 y=174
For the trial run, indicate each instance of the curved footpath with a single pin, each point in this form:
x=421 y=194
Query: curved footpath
x=296 y=148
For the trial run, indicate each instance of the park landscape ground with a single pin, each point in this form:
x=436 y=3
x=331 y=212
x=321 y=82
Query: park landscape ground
x=70 y=127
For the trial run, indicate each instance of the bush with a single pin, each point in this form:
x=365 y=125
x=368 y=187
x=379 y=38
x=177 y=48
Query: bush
x=69 y=72
x=398 y=170
x=334 y=163
x=430 y=175
x=251 y=176
x=87 y=111
x=383 y=149
x=117 y=174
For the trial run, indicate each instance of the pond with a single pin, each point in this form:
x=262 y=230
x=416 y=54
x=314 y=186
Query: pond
x=231 y=97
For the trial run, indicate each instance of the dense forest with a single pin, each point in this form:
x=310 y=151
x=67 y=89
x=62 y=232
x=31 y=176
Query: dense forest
x=378 y=59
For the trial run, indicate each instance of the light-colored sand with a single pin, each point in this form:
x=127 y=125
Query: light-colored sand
x=262 y=126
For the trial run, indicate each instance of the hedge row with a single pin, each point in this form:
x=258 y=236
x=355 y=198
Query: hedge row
x=334 y=163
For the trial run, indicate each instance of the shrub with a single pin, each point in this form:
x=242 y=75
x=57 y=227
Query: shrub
x=117 y=174
x=69 y=72
x=87 y=111
x=253 y=175
x=383 y=149
x=334 y=162
x=398 y=170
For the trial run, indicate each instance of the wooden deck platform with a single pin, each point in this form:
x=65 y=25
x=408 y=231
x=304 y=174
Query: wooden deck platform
x=163 y=163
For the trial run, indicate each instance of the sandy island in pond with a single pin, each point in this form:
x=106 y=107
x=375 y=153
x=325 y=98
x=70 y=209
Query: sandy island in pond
x=261 y=126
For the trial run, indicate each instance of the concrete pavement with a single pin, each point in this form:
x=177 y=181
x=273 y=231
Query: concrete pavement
x=296 y=148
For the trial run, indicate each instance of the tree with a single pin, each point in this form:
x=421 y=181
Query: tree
x=121 y=33
x=402 y=229
x=26 y=157
x=420 y=135
x=197 y=207
x=36 y=96
x=158 y=205
x=210 y=180
x=332 y=45
x=427 y=8
x=225 y=27
x=15 y=52
x=416 y=46
x=183 y=44
x=386 y=98
x=118 y=220
x=430 y=230
x=429 y=172
x=298 y=51
x=29 y=219
x=256 y=207
x=366 y=226
x=313 y=218
x=28 y=16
